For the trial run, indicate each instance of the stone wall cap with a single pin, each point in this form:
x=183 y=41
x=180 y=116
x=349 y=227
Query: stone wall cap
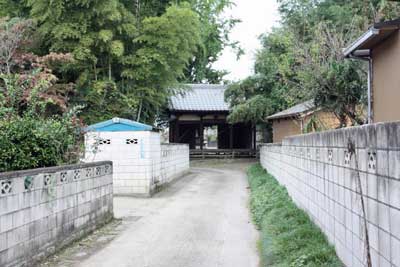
x=174 y=144
x=340 y=130
x=32 y=172
x=270 y=144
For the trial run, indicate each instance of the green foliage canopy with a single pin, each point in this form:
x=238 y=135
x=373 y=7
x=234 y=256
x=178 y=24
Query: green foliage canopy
x=139 y=48
x=302 y=59
x=214 y=31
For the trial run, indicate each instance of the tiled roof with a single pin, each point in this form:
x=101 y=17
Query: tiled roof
x=295 y=110
x=200 y=97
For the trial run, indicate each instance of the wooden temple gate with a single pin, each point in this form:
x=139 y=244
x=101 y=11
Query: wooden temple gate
x=203 y=107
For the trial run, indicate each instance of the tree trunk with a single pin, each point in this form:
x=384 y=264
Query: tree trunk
x=95 y=71
x=137 y=11
x=139 y=111
x=8 y=67
x=343 y=120
x=109 y=70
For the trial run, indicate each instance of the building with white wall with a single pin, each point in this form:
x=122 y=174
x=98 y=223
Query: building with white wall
x=140 y=166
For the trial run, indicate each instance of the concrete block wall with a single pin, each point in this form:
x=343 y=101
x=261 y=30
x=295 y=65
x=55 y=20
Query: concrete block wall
x=174 y=161
x=42 y=210
x=155 y=160
x=134 y=155
x=141 y=163
x=322 y=179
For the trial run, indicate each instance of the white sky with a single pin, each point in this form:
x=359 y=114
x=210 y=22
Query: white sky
x=258 y=16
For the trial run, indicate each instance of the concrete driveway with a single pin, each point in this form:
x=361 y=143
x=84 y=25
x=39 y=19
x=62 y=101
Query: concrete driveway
x=200 y=220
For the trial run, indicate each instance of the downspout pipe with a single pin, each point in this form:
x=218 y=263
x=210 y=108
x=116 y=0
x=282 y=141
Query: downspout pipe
x=364 y=54
x=370 y=79
x=370 y=119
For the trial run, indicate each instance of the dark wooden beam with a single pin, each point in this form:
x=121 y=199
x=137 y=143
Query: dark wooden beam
x=254 y=137
x=199 y=113
x=201 y=133
x=176 y=132
x=211 y=122
x=171 y=131
x=230 y=136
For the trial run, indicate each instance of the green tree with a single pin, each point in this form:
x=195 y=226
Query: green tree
x=302 y=58
x=95 y=32
x=266 y=92
x=38 y=128
x=215 y=30
x=13 y=32
x=335 y=84
x=138 y=48
x=14 y=8
x=166 y=44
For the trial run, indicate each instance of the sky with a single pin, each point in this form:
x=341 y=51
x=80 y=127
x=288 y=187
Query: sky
x=258 y=16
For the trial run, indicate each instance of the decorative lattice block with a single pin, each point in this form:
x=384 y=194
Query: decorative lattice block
x=77 y=174
x=98 y=171
x=5 y=187
x=371 y=161
x=131 y=141
x=63 y=177
x=48 y=180
x=101 y=142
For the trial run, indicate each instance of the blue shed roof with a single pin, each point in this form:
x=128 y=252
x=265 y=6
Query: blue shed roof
x=119 y=125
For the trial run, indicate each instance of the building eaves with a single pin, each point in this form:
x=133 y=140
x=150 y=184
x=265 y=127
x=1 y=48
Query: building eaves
x=368 y=40
x=296 y=110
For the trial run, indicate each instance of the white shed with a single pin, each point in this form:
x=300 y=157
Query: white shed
x=134 y=149
x=141 y=163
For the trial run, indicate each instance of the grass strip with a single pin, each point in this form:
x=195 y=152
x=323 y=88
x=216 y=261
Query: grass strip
x=288 y=236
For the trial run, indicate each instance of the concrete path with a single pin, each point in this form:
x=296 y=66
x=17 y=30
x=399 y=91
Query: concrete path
x=202 y=220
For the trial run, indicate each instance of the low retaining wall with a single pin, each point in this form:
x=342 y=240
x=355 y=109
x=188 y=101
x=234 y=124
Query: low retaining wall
x=322 y=178
x=174 y=161
x=44 y=209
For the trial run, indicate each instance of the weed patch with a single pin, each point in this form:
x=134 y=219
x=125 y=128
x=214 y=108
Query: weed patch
x=288 y=236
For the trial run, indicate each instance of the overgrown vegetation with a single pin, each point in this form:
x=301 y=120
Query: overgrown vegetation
x=36 y=130
x=128 y=54
x=30 y=142
x=288 y=237
x=37 y=126
x=302 y=60
x=66 y=64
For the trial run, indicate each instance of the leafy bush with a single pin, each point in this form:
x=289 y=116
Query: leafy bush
x=31 y=142
x=33 y=133
x=38 y=128
x=288 y=237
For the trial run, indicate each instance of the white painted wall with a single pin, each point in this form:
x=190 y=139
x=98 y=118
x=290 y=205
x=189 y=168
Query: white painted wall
x=137 y=159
